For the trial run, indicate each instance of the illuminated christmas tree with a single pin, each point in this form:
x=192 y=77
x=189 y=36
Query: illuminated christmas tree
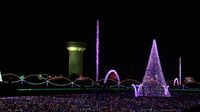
x=153 y=83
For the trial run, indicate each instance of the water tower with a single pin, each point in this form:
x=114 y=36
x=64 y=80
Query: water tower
x=75 y=57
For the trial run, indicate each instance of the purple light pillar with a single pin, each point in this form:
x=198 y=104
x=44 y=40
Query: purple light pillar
x=97 y=50
x=180 y=71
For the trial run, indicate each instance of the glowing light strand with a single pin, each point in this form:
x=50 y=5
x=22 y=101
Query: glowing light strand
x=179 y=70
x=1 y=80
x=135 y=89
x=176 y=82
x=97 y=50
x=116 y=74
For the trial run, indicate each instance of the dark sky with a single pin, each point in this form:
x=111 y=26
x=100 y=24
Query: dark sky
x=33 y=38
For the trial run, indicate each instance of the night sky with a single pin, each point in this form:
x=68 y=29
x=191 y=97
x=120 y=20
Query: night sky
x=33 y=38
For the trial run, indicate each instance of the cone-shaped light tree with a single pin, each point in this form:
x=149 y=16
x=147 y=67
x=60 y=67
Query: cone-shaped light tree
x=153 y=83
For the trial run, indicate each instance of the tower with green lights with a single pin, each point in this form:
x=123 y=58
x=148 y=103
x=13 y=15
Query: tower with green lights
x=75 y=57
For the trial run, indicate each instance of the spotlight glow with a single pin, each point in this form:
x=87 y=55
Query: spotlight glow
x=76 y=48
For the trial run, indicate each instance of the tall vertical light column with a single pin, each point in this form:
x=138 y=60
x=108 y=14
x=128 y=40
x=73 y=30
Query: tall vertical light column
x=75 y=57
x=97 y=50
x=179 y=70
x=1 y=80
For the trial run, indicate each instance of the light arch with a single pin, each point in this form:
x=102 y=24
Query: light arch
x=116 y=74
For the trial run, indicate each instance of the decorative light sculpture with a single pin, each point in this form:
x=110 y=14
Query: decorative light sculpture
x=115 y=73
x=154 y=82
x=1 y=80
x=176 y=82
x=135 y=90
x=97 y=50
x=180 y=71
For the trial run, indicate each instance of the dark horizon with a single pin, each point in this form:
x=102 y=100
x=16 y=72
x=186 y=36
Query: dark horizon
x=35 y=42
